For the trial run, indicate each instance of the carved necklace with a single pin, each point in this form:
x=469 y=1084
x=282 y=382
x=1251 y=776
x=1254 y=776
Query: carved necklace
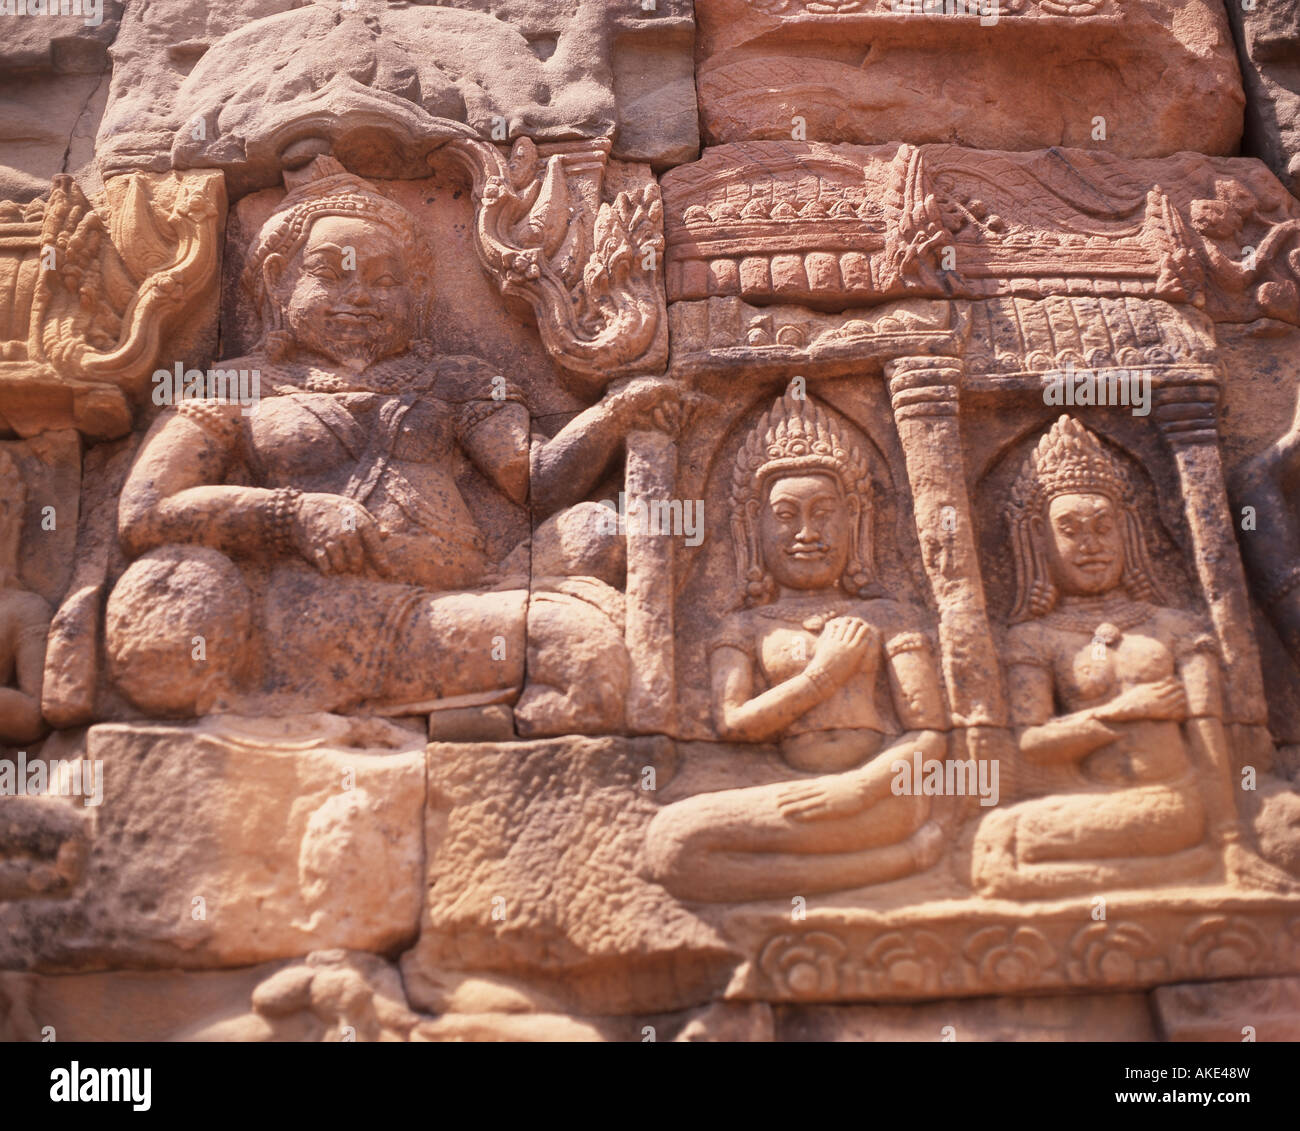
x=318 y=381
x=1107 y=620
x=813 y=618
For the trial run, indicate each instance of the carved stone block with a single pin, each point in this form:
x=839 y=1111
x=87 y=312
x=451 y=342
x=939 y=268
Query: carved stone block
x=297 y=835
x=1268 y=45
x=534 y=899
x=1017 y=74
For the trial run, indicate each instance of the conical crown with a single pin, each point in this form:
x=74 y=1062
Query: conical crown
x=1069 y=459
x=797 y=436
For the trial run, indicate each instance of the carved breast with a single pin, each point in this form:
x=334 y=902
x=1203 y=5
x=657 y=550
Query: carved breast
x=1089 y=673
x=784 y=651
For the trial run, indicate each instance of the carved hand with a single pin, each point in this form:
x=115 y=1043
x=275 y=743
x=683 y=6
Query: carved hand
x=822 y=799
x=840 y=649
x=1162 y=699
x=657 y=404
x=336 y=535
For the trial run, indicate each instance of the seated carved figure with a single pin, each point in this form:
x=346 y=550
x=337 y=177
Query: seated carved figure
x=24 y=623
x=318 y=552
x=1111 y=694
x=815 y=663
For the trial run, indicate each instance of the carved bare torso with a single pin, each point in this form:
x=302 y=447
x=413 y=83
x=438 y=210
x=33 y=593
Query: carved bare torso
x=396 y=456
x=1085 y=662
x=780 y=639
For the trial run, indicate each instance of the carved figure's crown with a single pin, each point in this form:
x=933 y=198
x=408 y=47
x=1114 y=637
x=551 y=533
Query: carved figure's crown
x=797 y=436
x=1070 y=459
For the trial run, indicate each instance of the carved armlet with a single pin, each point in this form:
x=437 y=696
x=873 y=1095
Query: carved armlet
x=278 y=515
x=906 y=642
x=220 y=426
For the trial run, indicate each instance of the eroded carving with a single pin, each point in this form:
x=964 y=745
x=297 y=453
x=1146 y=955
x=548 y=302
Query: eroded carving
x=335 y=505
x=1115 y=695
x=800 y=663
x=589 y=268
x=24 y=622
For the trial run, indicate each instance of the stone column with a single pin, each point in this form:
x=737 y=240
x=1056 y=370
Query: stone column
x=1185 y=412
x=923 y=392
x=650 y=475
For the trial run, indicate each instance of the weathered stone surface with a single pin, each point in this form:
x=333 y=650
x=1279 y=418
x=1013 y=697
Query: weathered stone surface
x=330 y=995
x=1026 y=75
x=518 y=576
x=54 y=80
x=238 y=841
x=1099 y=1017
x=400 y=77
x=836 y=226
x=123 y=1005
x=1268 y=44
x=1259 y=1009
x=533 y=885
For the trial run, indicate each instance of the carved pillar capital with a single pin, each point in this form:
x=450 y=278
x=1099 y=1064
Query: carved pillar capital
x=923 y=386
x=1186 y=404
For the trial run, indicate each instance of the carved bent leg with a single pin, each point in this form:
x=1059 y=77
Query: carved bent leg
x=1092 y=842
x=183 y=635
x=578 y=669
x=179 y=631
x=738 y=844
x=348 y=643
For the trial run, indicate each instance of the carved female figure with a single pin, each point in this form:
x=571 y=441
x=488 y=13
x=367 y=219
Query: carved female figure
x=1111 y=694
x=363 y=581
x=816 y=663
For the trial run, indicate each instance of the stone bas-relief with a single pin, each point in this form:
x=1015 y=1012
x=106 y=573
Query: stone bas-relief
x=341 y=486
x=26 y=622
x=1104 y=679
x=771 y=591
x=98 y=293
x=799 y=663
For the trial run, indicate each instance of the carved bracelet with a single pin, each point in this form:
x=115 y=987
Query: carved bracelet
x=280 y=511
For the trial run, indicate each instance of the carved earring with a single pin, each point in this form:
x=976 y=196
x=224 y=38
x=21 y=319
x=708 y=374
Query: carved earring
x=1042 y=597
x=1042 y=591
x=1137 y=579
x=758 y=585
x=754 y=580
x=857 y=576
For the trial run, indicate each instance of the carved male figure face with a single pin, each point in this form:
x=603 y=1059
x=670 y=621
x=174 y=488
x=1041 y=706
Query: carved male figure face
x=1084 y=544
x=805 y=530
x=347 y=294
